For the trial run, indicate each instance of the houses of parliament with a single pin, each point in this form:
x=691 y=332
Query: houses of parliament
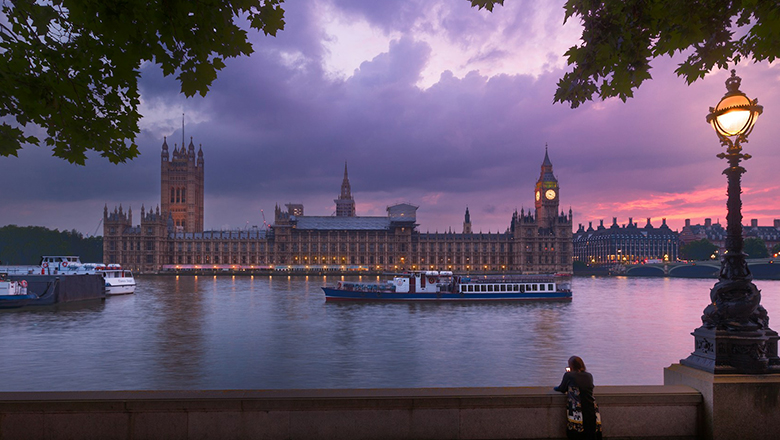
x=170 y=237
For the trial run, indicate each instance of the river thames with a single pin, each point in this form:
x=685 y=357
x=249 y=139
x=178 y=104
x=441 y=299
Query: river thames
x=263 y=332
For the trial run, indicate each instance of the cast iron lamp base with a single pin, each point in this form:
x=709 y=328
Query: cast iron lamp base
x=735 y=337
x=730 y=352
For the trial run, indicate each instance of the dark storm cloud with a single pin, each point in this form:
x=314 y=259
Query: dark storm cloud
x=277 y=128
x=386 y=14
x=302 y=127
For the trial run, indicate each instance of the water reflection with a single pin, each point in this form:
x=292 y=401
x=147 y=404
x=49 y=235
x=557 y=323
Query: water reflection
x=177 y=339
x=278 y=332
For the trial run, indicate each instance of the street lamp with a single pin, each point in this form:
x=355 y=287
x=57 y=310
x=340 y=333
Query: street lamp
x=735 y=336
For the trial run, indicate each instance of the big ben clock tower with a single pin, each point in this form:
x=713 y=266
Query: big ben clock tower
x=546 y=195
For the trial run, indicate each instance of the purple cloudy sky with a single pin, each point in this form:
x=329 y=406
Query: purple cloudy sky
x=431 y=102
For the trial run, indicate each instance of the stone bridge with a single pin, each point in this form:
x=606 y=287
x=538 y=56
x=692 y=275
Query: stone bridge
x=762 y=268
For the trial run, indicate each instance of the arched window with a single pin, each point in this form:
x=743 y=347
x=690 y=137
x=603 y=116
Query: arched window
x=184 y=195
x=173 y=199
x=178 y=195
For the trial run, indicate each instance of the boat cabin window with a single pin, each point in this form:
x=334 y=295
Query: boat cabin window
x=541 y=287
x=522 y=287
x=534 y=287
x=483 y=288
x=550 y=287
x=503 y=287
x=490 y=287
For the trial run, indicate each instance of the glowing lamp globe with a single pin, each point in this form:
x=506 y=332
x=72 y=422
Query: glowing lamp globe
x=735 y=114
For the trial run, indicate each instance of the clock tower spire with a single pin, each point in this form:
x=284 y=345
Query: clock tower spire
x=547 y=194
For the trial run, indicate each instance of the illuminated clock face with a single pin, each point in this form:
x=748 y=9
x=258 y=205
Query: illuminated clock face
x=550 y=194
x=538 y=195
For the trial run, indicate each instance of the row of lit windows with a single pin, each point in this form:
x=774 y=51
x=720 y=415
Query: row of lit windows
x=506 y=287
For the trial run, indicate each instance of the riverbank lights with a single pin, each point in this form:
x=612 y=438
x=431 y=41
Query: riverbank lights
x=735 y=114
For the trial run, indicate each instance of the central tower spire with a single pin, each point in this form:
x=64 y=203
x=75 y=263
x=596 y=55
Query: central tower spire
x=345 y=204
x=346 y=190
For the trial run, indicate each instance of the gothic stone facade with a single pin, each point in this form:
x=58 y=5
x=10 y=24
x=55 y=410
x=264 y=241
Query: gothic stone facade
x=534 y=242
x=181 y=186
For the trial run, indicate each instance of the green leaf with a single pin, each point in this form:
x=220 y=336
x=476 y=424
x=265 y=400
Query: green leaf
x=620 y=38
x=72 y=67
x=486 y=4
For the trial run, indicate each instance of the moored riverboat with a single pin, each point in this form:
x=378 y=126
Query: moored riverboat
x=445 y=286
x=118 y=281
x=13 y=294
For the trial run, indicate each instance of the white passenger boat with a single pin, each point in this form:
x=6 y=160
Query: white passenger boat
x=444 y=286
x=118 y=281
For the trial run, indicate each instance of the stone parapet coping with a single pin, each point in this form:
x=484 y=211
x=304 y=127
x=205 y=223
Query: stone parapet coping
x=394 y=413
x=639 y=394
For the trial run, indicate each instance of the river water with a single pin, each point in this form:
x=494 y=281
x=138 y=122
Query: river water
x=263 y=332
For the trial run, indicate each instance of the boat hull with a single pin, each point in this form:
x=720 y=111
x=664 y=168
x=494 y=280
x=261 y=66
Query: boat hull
x=16 y=301
x=120 y=289
x=344 y=295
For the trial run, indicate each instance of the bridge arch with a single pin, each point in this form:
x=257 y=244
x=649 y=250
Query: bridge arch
x=645 y=271
x=695 y=270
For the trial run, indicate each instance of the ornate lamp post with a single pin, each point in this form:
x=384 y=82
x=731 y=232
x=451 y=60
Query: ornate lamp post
x=735 y=336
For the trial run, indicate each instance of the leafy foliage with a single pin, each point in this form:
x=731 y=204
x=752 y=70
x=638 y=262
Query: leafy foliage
x=776 y=249
x=755 y=248
x=698 y=250
x=26 y=245
x=72 y=66
x=486 y=4
x=621 y=37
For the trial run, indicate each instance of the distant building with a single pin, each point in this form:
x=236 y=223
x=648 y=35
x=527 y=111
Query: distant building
x=770 y=234
x=627 y=244
x=715 y=233
x=171 y=236
x=295 y=209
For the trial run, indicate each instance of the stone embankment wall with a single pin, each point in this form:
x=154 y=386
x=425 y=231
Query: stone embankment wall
x=428 y=413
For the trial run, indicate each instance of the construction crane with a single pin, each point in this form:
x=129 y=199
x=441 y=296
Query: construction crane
x=265 y=224
x=98 y=227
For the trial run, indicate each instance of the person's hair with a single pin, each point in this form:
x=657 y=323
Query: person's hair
x=576 y=363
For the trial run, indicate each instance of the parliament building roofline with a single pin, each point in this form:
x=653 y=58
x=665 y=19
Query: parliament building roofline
x=535 y=241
